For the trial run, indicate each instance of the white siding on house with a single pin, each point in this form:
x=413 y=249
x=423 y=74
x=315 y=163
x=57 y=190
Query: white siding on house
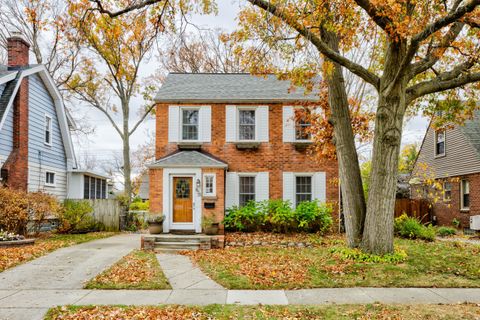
x=173 y=123
x=6 y=137
x=40 y=155
x=261 y=122
x=36 y=180
x=288 y=124
x=231 y=123
x=460 y=156
x=75 y=186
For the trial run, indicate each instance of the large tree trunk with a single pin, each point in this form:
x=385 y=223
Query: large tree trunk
x=349 y=169
x=126 y=152
x=378 y=232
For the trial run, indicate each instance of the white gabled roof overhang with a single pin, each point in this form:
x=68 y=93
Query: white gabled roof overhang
x=57 y=99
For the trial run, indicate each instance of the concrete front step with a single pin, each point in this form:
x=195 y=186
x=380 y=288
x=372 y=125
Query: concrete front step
x=180 y=242
x=178 y=245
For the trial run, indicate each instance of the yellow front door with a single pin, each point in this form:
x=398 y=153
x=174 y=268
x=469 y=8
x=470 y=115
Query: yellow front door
x=182 y=200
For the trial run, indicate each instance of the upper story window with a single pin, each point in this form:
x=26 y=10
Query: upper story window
x=50 y=178
x=246 y=124
x=302 y=130
x=447 y=191
x=190 y=121
x=246 y=189
x=303 y=189
x=209 y=184
x=48 y=130
x=464 y=194
x=439 y=143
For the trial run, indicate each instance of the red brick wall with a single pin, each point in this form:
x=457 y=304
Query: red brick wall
x=446 y=211
x=275 y=156
x=156 y=190
x=218 y=212
x=18 y=52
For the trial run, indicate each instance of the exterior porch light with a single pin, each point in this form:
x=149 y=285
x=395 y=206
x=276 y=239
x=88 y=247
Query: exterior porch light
x=198 y=186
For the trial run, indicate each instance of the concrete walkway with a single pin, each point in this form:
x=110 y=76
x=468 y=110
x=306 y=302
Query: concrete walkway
x=182 y=274
x=29 y=290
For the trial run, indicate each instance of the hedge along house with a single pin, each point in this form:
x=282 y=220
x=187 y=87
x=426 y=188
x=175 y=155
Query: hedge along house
x=225 y=139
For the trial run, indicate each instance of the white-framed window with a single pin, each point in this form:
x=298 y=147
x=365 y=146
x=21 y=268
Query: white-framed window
x=190 y=124
x=48 y=130
x=447 y=191
x=464 y=194
x=439 y=143
x=209 y=185
x=246 y=124
x=94 y=188
x=302 y=130
x=303 y=189
x=246 y=188
x=50 y=178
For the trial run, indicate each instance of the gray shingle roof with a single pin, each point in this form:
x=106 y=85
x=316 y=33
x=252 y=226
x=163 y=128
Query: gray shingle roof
x=228 y=88
x=471 y=130
x=7 y=96
x=190 y=159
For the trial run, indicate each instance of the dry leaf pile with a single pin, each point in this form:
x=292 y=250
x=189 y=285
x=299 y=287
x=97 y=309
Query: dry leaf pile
x=137 y=270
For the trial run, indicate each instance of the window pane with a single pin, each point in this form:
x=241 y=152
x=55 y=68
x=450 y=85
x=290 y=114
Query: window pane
x=247 y=190
x=92 y=188
x=440 y=142
x=86 y=188
x=209 y=184
x=302 y=130
x=99 y=189
x=303 y=189
x=465 y=194
x=104 y=189
x=247 y=125
x=190 y=125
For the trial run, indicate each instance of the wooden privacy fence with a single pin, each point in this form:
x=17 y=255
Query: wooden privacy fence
x=109 y=212
x=418 y=208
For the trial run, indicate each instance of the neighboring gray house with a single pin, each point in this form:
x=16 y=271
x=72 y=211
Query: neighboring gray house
x=36 y=151
x=452 y=157
x=144 y=188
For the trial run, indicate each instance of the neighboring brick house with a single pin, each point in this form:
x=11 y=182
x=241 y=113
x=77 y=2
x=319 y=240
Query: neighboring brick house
x=225 y=139
x=36 y=150
x=452 y=157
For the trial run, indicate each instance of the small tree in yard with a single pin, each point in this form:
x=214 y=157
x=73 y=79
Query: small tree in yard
x=428 y=47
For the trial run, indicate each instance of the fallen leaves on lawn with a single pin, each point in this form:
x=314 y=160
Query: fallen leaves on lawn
x=285 y=267
x=136 y=268
x=275 y=238
x=133 y=313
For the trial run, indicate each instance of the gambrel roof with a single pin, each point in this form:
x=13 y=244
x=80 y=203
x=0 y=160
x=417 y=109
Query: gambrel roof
x=12 y=79
x=229 y=88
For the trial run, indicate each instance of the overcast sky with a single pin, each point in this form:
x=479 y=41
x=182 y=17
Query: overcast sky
x=105 y=141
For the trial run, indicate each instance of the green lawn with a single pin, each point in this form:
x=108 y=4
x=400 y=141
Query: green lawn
x=428 y=264
x=332 y=312
x=137 y=270
x=10 y=257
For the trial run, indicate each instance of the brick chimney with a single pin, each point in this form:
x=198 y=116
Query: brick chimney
x=17 y=163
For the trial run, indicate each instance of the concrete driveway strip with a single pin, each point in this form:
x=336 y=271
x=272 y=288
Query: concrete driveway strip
x=69 y=268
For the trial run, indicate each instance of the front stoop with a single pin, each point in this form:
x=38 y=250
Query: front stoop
x=174 y=242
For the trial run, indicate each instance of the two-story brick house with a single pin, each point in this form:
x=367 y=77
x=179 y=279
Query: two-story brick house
x=452 y=157
x=225 y=139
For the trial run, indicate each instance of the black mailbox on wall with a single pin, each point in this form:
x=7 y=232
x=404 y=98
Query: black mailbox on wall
x=209 y=205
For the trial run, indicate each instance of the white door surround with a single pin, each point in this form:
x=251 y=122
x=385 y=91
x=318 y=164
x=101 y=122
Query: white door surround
x=168 y=175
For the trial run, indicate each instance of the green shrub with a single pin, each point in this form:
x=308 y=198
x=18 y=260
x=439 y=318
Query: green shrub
x=412 y=228
x=77 y=218
x=313 y=216
x=456 y=222
x=446 y=231
x=140 y=206
x=246 y=218
x=278 y=216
